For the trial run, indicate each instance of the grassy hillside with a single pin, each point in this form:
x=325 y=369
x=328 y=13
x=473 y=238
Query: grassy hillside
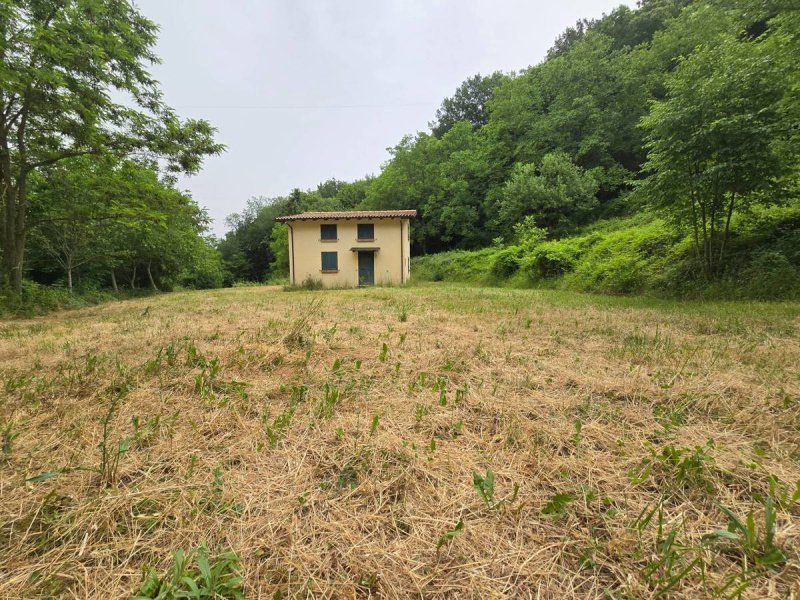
x=637 y=255
x=431 y=441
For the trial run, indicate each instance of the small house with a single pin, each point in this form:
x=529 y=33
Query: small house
x=350 y=248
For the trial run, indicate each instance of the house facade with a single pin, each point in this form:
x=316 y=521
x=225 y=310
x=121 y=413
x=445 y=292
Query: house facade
x=350 y=248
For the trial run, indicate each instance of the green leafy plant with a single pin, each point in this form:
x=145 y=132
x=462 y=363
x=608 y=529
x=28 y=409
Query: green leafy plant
x=441 y=385
x=555 y=507
x=420 y=411
x=329 y=333
x=111 y=453
x=758 y=547
x=484 y=485
x=7 y=437
x=195 y=575
x=277 y=427
x=330 y=396
x=145 y=433
x=576 y=438
x=374 y=426
x=449 y=535
x=685 y=466
x=216 y=502
x=672 y=561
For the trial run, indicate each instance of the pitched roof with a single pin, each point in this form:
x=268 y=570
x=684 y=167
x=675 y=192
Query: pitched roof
x=350 y=214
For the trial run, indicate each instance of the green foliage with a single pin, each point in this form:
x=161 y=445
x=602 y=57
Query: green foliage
x=279 y=246
x=632 y=256
x=7 y=437
x=759 y=548
x=557 y=505
x=36 y=299
x=457 y=265
x=770 y=275
x=484 y=485
x=556 y=194
x=718 y=141
x=196 y=575
x=62 y=71
x=506 y=262
x=450 y=535
x=470 y=103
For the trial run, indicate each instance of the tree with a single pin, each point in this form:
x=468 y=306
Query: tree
x=721 y=136
x=66 y=208
x=279 y=246
x=97 y=216
x=556 y=194
x=63 y=63
x=469 y=103
x=444 y=180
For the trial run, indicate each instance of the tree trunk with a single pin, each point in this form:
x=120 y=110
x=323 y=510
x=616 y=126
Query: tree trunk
x=727 y=227
x=69 y=279
x=706 y=263
x=695 y=225
x=133 y=278
x=13 y=237
x=114 y=282
x=150 y=277
x=14 y=206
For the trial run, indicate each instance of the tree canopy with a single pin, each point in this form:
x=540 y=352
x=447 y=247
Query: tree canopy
x=74 y=82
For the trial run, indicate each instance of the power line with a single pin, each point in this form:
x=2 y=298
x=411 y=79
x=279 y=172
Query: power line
x=300 y=106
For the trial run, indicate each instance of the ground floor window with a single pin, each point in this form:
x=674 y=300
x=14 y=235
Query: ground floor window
x=330 y=261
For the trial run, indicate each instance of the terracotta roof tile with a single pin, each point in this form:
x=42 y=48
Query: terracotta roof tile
x=350 y=214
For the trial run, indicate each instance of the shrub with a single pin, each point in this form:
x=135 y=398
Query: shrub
x=636 y=255
x=624 y=261
x=455 y=265
x=35 y=299
x=770 y=276
x=506 y=262
x=551 y=259
x=309 y=284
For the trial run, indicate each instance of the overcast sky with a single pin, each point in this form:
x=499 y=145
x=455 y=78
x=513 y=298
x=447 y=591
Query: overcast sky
x=305 y=90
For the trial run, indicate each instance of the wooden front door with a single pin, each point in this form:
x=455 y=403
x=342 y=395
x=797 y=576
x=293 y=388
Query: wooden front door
x=366 y=268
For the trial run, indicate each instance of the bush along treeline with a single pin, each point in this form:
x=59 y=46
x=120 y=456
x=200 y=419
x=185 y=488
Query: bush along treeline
x=654 y=149
x=88 y=156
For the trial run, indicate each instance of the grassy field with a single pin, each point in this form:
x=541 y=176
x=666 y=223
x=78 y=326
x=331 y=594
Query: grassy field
x=429 y=442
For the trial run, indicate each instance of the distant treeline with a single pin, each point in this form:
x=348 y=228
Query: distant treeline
x=677 y=110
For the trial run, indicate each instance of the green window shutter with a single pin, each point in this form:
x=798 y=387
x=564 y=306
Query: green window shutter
x=328 y=232
x=330 y=261
x=366 y=231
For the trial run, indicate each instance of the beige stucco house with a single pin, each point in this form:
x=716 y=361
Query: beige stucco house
x=350 y=248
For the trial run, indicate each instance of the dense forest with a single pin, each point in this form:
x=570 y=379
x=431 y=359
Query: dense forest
x=88 y=157
x=652 y=150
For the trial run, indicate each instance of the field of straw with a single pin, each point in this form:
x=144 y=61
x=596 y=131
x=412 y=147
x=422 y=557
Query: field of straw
x=422 y=442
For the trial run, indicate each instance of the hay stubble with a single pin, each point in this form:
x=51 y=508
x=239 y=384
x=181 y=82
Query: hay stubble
x=334 y=508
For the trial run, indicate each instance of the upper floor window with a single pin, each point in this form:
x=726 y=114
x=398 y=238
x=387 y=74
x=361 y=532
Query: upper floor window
x=366 y=231
x=328 y=232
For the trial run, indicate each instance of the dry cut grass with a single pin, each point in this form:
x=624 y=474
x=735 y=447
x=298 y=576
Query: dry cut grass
x=429 y=442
